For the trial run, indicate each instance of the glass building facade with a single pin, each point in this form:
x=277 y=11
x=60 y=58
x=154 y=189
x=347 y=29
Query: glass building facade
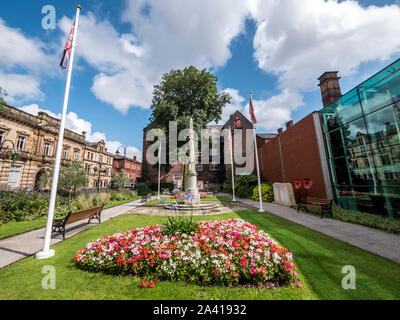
x=362 y=134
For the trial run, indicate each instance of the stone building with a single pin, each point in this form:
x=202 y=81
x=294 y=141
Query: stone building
x=28 y=146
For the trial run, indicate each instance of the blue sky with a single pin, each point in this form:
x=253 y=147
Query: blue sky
x=276 y=49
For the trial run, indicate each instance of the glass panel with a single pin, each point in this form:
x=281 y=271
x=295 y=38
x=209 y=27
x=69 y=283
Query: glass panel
x=382 y=89
x=387 y=162
x=343 y=110
x=336 y=144
x=384 y=127
x=355 y=138
x=341 y=171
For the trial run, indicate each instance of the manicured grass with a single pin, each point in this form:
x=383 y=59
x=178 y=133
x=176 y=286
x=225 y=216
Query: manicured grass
x=119 y=202
x=319 y=260
x=15 y=228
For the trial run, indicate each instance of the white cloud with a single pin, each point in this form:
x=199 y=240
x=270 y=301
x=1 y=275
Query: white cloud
x=273 y=112
x=236 y=104
x=20 y=87
x=78 y=125
x=299 y=40
x=173 y=34
x=19 y=52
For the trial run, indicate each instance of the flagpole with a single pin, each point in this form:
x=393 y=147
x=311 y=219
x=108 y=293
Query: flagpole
x=159 y=170
x=47 y=252
x=233 y=174
x=258 y=167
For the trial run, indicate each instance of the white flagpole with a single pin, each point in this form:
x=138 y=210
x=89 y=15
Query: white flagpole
x=159 y=170
x=47 y=252
x=258 y=167
x=233 y=174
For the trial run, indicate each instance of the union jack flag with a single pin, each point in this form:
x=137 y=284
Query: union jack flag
x=251 y=109
x=67 y=50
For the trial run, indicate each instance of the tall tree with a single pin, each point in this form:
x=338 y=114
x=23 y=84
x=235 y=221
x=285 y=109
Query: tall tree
x=185 y=94
x=3 y=93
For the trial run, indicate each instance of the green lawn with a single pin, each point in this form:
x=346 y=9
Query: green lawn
x=319 y=260
x=14 y=228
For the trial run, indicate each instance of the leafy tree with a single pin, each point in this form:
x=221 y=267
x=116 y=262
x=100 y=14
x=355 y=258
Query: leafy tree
x=185 y=94
x=119 y=180
x=3 y=93
x=70 y=178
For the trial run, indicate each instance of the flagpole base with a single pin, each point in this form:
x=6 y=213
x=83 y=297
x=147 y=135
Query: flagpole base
x=45 y=254
x=261 y=210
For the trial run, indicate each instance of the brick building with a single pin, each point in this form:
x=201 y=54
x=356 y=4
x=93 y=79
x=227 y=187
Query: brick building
x=33 y=140
x=131 y=166
x=215 y=174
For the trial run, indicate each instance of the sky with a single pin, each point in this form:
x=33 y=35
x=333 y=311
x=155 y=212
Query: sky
x=275 y=48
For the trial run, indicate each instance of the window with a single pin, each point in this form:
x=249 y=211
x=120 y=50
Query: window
x=88 y=155
x=214 y=167
x=65 y=154
x=1 y=136
x=76 y=155
x=13 y=177
x=91 y=156
x=118 y=164
x=21 y=143
x=199 y=167
x=101 y=159
x=46 y=149
x=213 y=152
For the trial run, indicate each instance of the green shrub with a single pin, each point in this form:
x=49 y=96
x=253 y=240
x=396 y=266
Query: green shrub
x=244 y=185
x=267 y=193
x=142 y=189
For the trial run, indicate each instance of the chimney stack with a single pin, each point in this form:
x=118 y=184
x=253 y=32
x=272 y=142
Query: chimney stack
x=330 y=87
x=84 y=135
x=289 y=124
x=134 y=158
x=280 y=130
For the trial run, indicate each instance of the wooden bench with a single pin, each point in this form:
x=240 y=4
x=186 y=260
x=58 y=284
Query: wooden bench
x=72 y=216
x=310 y=202
x=146 y=198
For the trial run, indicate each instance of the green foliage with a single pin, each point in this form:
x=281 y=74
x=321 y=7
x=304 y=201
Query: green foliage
x=142 y=189
x=71 y=177
x=23 y=206
x=185 y=94
x=362 y=218
x=179 y=224
x=119 y=180
x=244 y=185
x=267 y=193
x=3 y=93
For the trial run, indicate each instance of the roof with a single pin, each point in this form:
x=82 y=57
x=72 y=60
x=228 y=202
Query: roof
x=266 y=135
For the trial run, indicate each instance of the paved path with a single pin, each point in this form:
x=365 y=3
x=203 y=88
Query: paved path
x=378 y=242
x=24 y=245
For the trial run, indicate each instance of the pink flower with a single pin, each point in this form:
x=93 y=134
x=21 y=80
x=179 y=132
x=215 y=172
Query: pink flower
x=298 y=284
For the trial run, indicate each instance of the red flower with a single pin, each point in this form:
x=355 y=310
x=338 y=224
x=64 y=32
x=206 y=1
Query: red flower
x=143 y=284
x=152 y=284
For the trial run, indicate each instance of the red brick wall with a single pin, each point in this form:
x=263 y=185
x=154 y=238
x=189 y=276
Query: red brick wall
x=300 y=157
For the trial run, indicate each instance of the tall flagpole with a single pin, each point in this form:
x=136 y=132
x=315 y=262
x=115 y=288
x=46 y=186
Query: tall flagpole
x=258 y=167
x=233 y=174
x=159 y=170
x=47 y=252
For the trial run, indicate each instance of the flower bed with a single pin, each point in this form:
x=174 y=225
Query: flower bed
x=232 y=252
